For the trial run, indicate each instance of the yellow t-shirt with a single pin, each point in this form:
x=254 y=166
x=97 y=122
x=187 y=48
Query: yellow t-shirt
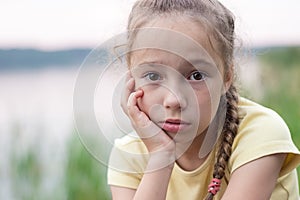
x=261 y=132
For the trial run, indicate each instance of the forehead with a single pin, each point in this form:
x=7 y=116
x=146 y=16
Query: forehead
x=172 y=39
x=157 y=56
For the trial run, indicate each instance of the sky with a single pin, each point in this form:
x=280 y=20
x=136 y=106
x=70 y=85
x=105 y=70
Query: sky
x=63 y=24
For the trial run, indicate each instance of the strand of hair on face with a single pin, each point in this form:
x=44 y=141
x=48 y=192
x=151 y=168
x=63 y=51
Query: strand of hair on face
x=228 y=134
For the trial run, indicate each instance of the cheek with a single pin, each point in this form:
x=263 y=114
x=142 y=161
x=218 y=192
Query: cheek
x=204 y=103
x=213 y=94
x=208 y=102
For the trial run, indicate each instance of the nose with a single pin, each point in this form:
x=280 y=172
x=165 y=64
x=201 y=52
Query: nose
x=174 y=100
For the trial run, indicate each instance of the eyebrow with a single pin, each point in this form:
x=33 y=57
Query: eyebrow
x=195 y=63
x=154 y=62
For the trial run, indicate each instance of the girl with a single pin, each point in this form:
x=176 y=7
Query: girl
x=197 y=138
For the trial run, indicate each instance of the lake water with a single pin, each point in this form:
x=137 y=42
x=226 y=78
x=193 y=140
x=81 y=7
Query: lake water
x=35 y=112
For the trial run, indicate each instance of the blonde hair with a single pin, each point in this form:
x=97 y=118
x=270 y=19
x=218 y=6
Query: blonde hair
x=220 y=22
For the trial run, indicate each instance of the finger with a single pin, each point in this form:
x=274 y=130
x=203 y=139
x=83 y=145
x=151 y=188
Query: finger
x=140 y=120
x=130 y=86
x=139 y=93
x=128 y=89
x=132 y=107
x=129 y=80
x=138 y=117
x=133 y=97
x=128 y=76
x=152 y=135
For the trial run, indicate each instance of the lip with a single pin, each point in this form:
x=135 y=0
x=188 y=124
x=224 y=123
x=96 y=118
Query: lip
x=174 y=125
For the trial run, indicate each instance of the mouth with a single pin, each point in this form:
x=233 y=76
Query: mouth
x=174 y=125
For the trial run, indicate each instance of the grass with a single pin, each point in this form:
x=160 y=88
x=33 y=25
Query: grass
x=85 y=177
x=25 y=168
x=281 y=81
x=26 y=175
x=282 y=87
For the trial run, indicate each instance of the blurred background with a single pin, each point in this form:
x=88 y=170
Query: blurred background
x=42 y=45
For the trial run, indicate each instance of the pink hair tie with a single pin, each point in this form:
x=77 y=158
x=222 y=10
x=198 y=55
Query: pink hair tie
x=214 y=186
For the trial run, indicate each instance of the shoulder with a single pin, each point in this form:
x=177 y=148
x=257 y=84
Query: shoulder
x=261 y=132
x=127 y=162
x=258 y=120
x=130 y=142
x=128 y=154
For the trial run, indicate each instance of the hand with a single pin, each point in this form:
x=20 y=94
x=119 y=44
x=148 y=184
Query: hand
x=128 y=89
x=153 y=136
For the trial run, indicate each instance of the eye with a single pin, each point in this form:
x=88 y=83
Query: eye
x=152 y=76
x=197 y=76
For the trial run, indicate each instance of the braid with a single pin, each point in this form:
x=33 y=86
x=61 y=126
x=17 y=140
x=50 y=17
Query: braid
x=228 y=134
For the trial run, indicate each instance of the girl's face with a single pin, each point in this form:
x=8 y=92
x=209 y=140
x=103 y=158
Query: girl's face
x=182 y=89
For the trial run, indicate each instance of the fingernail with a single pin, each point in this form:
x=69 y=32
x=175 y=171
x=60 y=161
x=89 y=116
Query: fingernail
x=140 y=91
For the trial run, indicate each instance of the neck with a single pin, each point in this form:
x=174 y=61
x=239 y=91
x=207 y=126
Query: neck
x=190 y=159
